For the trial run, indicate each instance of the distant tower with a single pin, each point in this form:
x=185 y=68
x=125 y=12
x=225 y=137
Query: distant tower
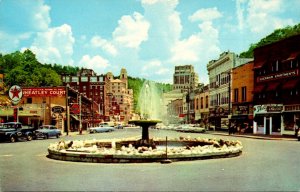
x=110 y=76
x=123 y=77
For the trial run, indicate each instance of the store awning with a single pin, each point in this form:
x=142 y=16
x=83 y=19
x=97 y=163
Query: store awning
x=259 y=64
x=259 y=88
x=290 y=84
x=292 y=56
x=273 y=86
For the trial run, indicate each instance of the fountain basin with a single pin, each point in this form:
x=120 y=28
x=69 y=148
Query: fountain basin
x=123 y=151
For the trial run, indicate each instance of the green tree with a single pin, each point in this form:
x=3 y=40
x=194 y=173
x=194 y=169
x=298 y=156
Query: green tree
x=276 y=35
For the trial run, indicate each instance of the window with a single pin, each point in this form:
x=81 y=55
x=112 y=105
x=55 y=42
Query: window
x=197 y=107
x=244 y=93
x=29 y=100
x=206 y=102
x=201 y=102
x=236 y=95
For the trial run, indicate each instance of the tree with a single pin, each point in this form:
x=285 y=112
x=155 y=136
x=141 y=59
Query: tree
x=277 y=35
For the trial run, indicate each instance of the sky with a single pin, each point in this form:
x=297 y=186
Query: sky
x=147 y=37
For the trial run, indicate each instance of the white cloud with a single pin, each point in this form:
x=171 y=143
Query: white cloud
x=164 y=31
x=198 y=47
x=54 y=45
x=208 y=14
x=41 y=18
x=107 y=46
x=24 y=16
x=10 y=43
x=261 y=16
x=131 y=31
x=240 y=13
x=97 y=63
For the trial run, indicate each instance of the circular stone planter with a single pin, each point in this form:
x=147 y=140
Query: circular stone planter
x=123 y=151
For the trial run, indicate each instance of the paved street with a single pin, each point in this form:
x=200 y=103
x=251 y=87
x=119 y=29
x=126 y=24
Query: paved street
x=265 y=165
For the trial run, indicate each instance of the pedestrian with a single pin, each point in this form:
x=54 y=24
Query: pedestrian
x=296 y=127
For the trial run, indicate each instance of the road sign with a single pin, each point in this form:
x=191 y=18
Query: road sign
x=75 y=108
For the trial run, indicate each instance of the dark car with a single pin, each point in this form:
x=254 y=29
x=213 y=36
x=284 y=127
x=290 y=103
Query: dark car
x=14 y=131
x=46 y=131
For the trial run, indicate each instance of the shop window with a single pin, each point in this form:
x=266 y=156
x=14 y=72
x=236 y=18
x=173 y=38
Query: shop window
x=236 y=95
x=29 y=100
x=201 y=102
x=244 y=94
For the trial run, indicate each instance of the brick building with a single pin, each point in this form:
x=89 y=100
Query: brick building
x=120 y=97
x=276 y=86
x=242 y=94
x=201 y=105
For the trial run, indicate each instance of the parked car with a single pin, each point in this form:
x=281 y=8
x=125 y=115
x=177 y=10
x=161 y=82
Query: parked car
x=14 y=131
x=101 y=129
x=119 y=126
x=46 y=131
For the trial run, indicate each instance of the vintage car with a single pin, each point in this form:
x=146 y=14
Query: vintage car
x=102 y=128
x=14 y=131
x=46 y=131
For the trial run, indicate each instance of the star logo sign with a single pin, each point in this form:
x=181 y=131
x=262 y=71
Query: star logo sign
x=15 y=94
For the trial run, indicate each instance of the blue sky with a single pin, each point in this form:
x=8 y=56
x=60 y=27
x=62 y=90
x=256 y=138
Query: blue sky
x=147 y=37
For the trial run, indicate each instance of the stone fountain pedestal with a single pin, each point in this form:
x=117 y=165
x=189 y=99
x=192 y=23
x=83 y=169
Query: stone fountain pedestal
x=145 y=141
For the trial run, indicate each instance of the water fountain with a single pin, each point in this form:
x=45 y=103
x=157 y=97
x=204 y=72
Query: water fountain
x=144 y=149
x=149 y=104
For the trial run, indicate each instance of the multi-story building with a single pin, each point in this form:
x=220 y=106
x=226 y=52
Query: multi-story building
x=175 y=111
x=120 y=97
x=185 y=78
x=277 y=87
x=242 y=94
x=201 y=105
x=94 y=87
x=219 y=72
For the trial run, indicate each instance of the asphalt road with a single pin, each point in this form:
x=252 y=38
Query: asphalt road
x=265 y=165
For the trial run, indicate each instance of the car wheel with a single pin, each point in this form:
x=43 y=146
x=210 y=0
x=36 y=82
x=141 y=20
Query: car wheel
x=29 y=137
x=13 y=139
x=46 y=136
x=57 y=135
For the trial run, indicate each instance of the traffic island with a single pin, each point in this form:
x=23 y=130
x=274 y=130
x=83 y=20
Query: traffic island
x=124 y=151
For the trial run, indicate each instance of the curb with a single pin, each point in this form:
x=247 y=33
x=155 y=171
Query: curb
x=255 y=137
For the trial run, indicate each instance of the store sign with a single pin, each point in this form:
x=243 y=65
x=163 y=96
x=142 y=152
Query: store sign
x=275 y=108
x=75 y=109
x=270 y=108
x=292 y=108
x=242 y=108
x=292 y=73
x=57 y=109
x=15 y=94
x=44 y=92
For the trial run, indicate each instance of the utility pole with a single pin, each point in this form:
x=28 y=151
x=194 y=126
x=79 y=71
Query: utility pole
x=229 y=101
x=80 y=123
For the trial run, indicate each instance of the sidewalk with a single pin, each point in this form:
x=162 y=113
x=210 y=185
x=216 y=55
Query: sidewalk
x=255 y=136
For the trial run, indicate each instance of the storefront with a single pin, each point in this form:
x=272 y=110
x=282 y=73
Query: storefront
x=291 y=113
x=268 y=119
x=242 y=115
